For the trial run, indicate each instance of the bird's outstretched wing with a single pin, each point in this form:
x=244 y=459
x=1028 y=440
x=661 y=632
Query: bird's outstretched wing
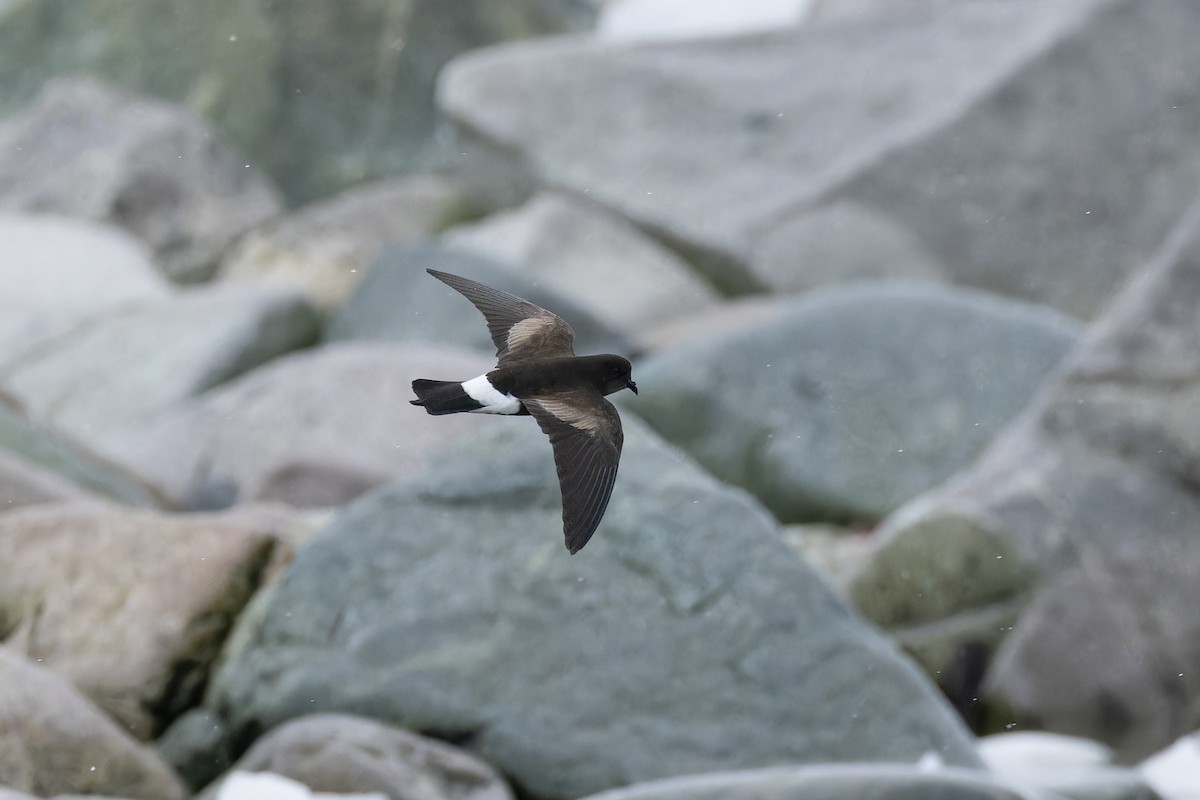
x=520 y=329
x=585 y=432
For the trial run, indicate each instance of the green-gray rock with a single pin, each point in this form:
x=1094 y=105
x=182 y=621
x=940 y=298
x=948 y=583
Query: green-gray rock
x=854 y=399
x=686 y=637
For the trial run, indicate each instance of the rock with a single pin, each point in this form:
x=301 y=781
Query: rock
x=855 y=399
x=197 y=747
x=827 y=782
x=58 y=271
x=650 y=20
x=344 y=755
x=53 y=741
x=125 y=363
x=1098 y=474
x=964 y=153
x=323 y=250
x=730 y=316
x=25 y=484
x=323 y=95
x=1172 y=772
x=45 y=457
x=314 y=429
x=686 y=637
x=836 y=552
x=1136 y=686
x=839 y=243
x=591 y=257
x=89 y=151
x=129 y=606
x=399 y=301
x=1062 y=765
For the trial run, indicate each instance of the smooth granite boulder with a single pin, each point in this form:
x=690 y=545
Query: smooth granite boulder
x=337 y=754
x=1088 y=501
x=1038 y=149
x=686 y=636
x=830 y=782
x=323 y=249
x=592 y=257
x=130 y=606
x=54 y=741
x=314 y=429
x=398 y=301
x=162 y=173
x=124 y=363
x=854 y=399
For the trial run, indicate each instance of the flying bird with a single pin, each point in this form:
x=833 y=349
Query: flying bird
x=538 y=374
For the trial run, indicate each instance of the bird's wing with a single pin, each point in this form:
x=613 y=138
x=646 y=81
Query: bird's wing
x=585 y=432
x=520 y=329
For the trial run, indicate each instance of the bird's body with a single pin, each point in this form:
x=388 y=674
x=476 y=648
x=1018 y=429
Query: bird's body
x=538 y=374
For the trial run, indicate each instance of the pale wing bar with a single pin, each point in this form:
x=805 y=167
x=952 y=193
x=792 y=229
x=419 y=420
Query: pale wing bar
x=548 y=335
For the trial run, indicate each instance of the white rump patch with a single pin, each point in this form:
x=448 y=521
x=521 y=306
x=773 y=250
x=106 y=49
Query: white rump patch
x=493 y=401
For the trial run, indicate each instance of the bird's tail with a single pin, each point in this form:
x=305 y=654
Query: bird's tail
x=443 y=397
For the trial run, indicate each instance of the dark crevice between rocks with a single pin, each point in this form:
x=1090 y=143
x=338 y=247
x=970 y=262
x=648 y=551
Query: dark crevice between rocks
x=188 y=677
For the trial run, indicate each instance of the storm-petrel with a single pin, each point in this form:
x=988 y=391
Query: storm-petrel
x=537 y=373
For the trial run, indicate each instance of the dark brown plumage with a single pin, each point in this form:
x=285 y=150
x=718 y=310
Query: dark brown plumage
x=538 y=373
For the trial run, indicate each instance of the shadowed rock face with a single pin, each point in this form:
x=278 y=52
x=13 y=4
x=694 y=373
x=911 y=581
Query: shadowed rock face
x=687 y=638
x=1091 y=498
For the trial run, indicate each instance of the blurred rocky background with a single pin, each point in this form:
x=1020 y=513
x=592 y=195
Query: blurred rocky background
x=910 y=500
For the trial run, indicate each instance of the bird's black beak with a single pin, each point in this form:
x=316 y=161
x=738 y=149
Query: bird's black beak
x=633 y=387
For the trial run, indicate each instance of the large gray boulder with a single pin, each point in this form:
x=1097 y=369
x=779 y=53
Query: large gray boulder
x=685 y=637
x=130 y=606
x=123 y=363
x=1091 y=495
x=323 y=95
x=1034 y=148
x=854 y=399
x=162 y=173
x=399 y=301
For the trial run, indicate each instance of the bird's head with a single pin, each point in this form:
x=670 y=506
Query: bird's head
x=616 y=374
